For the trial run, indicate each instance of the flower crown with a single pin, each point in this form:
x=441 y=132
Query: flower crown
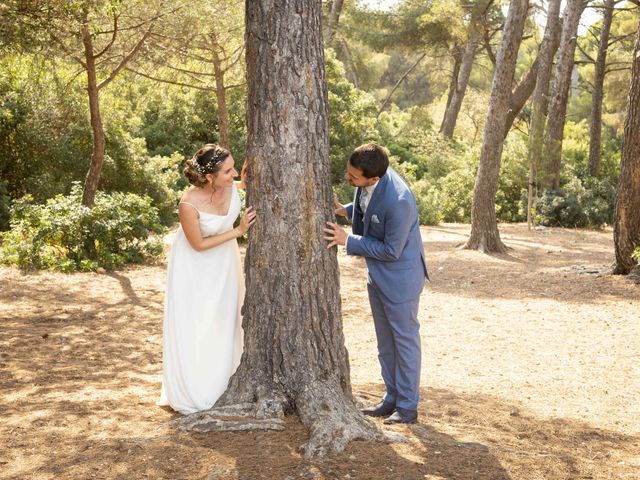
x=209 y=164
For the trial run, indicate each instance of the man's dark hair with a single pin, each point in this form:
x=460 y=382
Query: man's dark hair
x=371 y=159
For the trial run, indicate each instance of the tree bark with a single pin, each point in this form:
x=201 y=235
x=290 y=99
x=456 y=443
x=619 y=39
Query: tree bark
x=294 y=357
x=97 y=154
x=560 y=92
x=459 y=86
x=598 y=90
x=540 y=102
x=484 y=228
x=626 y=226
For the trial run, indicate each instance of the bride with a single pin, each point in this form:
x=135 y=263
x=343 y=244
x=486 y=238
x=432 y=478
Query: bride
x=203 y=335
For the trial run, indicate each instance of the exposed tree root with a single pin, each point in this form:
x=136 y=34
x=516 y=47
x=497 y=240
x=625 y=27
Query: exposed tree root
x=331 y=416
x=332 y=419
x=208 y=421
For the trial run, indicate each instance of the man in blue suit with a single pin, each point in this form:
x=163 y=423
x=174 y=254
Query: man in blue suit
x=386 y=232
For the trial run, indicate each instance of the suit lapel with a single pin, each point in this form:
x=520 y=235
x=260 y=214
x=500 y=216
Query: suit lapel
x=375 y=200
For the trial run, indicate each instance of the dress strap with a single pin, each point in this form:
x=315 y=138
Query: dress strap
x=191 y=205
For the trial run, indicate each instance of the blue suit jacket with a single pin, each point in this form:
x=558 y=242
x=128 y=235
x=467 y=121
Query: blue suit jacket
x=388 y=236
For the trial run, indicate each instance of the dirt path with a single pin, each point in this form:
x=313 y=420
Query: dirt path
x=531 y=370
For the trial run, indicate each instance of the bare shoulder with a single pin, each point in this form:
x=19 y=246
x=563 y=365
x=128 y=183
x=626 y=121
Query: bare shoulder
x=189 y=195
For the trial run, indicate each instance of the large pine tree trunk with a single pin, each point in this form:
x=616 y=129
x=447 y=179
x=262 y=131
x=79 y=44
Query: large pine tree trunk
x=541 y=99
x=626 y=227
x=97 y=154
x=560 y=92
x=484 y=228
x=598 y=90
x=294 y=357
x=459 y=87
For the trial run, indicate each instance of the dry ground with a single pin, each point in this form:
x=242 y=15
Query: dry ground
x=530 y=371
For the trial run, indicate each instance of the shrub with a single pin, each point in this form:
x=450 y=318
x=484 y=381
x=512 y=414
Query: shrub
x=65 y=235
x=129 y=168
x=560 y=209
x=587 y=203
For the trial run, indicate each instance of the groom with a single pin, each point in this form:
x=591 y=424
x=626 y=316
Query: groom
x=386 y=232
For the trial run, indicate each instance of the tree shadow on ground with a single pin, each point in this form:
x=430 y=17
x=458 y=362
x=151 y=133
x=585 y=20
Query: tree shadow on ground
x=458 y=436
x=79 y=375
x=539 y=265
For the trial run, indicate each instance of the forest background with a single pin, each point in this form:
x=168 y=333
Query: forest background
x=170 y=77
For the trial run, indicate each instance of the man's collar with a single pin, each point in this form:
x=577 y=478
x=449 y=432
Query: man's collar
x=371 y=188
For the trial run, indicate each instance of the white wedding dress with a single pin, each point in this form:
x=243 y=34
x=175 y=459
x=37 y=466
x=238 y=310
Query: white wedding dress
x=203 y=335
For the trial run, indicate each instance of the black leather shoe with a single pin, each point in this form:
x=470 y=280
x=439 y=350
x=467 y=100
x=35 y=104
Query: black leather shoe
x=381 y=410
x=402 y=415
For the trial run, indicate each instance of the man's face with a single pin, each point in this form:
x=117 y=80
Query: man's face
x=355 y=177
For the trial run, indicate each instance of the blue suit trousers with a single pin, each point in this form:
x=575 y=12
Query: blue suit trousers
x=399 y=349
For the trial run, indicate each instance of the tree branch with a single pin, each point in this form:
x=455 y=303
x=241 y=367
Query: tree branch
x=406 y=74
x=113 y=38
x=171 y=82
x=125 y=60
x=66 y=50
x=582 y=50
x=621 y=69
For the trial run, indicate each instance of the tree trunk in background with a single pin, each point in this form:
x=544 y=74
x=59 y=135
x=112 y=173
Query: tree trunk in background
x=294 y=357
x=560 y=93
x=598 y=91
x=527 y=85
x=97 y=154
x=459 y=86
x=540 y=102
x=520 y=95
x=221 y=96
x=484 y=228
x=457 y=63
x=626 y=226
x=332 y=24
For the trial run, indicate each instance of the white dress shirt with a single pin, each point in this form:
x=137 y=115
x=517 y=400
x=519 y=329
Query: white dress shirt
x=370 y=189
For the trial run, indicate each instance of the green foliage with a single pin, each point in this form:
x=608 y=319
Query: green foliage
x=351 y=117
x=173 y=121
x=45 y=140
x=439 y=171
x=558 y=208
x=636 y=254
x=131 y=169
x=64 y=235
x=583 y=201
x=511 y=196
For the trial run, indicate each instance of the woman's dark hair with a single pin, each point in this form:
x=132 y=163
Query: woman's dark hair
x=371 y=158
x=207 y=160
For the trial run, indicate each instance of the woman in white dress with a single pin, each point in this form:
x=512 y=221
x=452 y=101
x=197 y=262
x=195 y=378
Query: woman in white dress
x=205 y=287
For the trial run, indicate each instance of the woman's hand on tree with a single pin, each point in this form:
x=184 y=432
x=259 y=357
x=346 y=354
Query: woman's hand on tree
x=248 y=219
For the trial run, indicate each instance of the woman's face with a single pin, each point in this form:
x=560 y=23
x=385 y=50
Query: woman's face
x=226 y=174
